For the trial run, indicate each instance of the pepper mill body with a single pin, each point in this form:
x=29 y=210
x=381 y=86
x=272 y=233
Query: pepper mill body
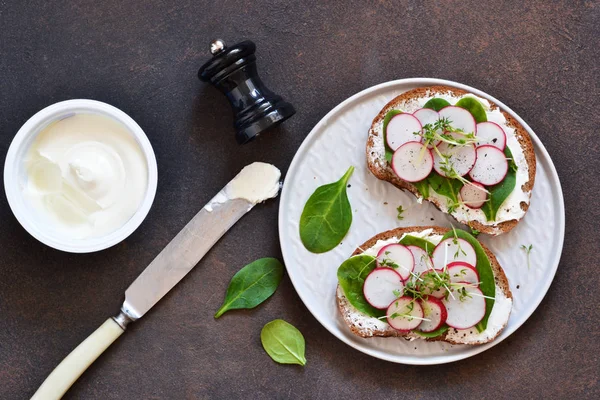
x=233 y=71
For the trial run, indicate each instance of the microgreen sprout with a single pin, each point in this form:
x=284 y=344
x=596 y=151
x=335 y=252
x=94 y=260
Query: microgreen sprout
x=441 y=129
x=527 y=250
x=457 y=243
x=386 y=262
x=447 y=167
x=400 y=211
x=464 y=294
x=407 y=316
x=409 y=307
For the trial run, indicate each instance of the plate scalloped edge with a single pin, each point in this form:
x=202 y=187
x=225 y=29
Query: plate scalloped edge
x=314 y=276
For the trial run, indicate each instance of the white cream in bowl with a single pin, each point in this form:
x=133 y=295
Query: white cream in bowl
x=80 y=175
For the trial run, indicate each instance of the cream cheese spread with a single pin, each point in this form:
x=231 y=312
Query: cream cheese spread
x=86 y=175
x=511 y=208
x=255 y=183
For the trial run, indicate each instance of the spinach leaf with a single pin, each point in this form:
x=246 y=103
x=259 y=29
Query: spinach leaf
x=445 y=186
x=433 y=334
x=252 y=285
x=436 y=104
x=388 y=152
x=486 y=275
x=474 y=107
x=283 y=342
x=327 y=216
x=351 y=275
x=426 y=245
x=423 y=187
x=500 y=191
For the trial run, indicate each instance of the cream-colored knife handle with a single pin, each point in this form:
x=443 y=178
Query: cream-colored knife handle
x=71 y=368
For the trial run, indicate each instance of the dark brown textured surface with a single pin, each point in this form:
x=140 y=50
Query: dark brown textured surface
x=538 y=57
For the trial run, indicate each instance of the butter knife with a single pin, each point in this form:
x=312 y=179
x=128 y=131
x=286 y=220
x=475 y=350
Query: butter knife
x=257 y=182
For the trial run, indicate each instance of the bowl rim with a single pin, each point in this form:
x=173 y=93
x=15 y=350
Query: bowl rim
x=34 y=126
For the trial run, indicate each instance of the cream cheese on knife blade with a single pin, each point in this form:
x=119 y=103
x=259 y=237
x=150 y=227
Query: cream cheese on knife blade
x=255 y=183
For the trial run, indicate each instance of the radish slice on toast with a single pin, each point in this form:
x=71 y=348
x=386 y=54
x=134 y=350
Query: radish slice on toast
x=466 y=308
x=398 y=257
x=412 y=161
x=428 y=116
x=422 y=260
x=473 y=195
x=382 y=286
x=453 y=249
x=459 y=119
x=460 y=271
x=401 y=129
x=491 y=166
x=435 y=311
x=459 y=158
x=404 y=314
x=491 y=133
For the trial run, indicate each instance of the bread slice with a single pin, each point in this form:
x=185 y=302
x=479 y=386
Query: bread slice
x=409 y=102
x=366 y=326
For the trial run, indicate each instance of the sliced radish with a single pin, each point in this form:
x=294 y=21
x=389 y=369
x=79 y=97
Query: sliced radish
x=382 y=286
x=398 y=257
x=401 y=129
x=434 y=311
x=412 y=162
x=473 y=195
x=422 y=260
x=404 y=314
x=453 y=249
x=426 y=116
x=460 y=271
x=491 y=133
x=491 y=166
x=460 y=158
x=459 y=118
x=429 y=283
x=465 y=310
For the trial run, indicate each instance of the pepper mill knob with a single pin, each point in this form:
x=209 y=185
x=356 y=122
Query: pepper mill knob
x=217 y=46
x=232 y=70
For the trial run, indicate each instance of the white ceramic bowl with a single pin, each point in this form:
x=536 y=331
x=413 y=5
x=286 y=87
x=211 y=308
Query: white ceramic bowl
x=15 y=176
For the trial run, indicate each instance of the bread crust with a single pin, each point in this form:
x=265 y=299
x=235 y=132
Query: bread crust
x=383 y=171
x=346 y=309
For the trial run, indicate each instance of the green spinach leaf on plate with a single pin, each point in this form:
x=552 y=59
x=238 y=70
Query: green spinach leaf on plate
x=351 y=276
x=473 y=106
x=327 y=216
x=501 y=191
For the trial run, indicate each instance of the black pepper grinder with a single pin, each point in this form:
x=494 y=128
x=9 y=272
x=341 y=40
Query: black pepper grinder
x=232 y=70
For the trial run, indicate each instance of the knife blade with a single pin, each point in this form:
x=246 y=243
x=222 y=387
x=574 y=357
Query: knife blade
x=182 y=254
x=178 y=258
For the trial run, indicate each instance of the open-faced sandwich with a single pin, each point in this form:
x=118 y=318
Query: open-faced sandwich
x=471 y=159
x=424 y=283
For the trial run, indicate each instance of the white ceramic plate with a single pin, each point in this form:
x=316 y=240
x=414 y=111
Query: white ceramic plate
x=337 y=142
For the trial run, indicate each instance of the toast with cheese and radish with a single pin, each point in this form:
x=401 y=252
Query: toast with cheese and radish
x=427 y=283
x=463 y=153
